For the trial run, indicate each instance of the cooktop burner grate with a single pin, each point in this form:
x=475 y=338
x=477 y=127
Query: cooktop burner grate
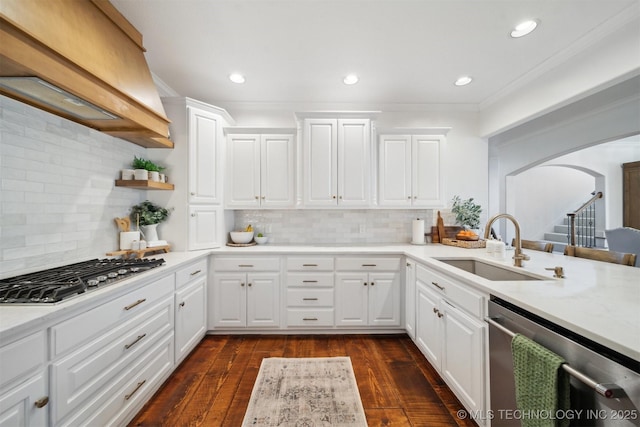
x=55 y=284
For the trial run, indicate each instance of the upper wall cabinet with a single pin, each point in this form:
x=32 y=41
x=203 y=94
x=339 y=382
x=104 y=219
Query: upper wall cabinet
x=204 y=181
x=410 y=169
x=337 y=162
x=260 y=168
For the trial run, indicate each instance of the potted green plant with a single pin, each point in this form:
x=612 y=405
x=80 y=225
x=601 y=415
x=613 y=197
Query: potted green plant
x=467 y=212
x=147 y=216
x=146 y=169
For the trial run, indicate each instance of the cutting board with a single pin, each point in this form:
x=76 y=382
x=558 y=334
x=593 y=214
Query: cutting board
x=450 y=232
x=440 y=225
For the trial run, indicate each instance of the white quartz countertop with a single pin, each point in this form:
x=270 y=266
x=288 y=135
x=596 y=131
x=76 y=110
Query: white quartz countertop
x=598 y=300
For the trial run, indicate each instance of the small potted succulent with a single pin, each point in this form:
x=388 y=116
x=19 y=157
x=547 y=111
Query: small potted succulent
x=146 y=169
x=147 y=216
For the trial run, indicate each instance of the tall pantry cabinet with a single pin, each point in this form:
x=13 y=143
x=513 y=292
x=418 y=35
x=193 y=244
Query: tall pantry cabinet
x=194 y=166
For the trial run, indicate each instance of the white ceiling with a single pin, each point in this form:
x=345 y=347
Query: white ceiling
x=405 y=51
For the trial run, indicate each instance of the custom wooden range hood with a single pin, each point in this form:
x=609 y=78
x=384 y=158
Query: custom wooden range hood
x=82 y=60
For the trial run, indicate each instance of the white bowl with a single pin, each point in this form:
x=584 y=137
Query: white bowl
x=261 y=240
x=241 y=236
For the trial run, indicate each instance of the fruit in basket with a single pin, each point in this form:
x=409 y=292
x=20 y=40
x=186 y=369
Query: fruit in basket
x=466 y=235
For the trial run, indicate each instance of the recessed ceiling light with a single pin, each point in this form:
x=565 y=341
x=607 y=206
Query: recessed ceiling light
x=463 y=81
x=351 y=79
x=236 y=78
x=524 y=28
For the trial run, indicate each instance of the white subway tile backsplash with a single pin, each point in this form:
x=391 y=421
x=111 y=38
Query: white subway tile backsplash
x=58 y=196
x=306 y=226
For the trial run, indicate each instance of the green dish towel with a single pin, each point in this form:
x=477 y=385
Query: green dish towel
x=542 y=386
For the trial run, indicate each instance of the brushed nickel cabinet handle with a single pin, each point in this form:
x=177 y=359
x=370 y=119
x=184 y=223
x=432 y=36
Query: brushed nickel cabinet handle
x=181 y=304
x=248 y=284
x=309 y=299
x=42 y=402
x=365 y=283
x=309 y=318
x=130 y=395
x=196 y=272
x=241 y=284
x=245 y=265
x=130 y=306
x=372 y=283
x=437 y=286
x=128 y=346
x=369 y=265
x=309 y=281
x=309 y=265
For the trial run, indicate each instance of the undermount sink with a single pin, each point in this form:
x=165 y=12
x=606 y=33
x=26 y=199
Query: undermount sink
x=487 y=271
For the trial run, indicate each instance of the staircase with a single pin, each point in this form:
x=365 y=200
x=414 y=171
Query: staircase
x=560 y=232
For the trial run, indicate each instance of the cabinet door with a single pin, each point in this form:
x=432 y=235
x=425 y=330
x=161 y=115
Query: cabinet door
x=204 y=227
x=263 y=300
x=394 y=162
x=276 y=171
x=229 y=300
x=18 y=407
x=204 y=183
x=352 y=299
x=428 y=329
x=426 y=176
x=354 y=159
x=191 y=306
x=410 y=299
x=243 y=177
x=463 y=360
x=320 y=162
x=384 y=299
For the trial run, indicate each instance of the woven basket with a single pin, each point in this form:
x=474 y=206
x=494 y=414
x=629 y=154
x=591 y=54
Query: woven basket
x=468 y=244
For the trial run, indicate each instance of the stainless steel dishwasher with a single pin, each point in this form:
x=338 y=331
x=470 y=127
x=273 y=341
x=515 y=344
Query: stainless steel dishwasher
x=605 y=385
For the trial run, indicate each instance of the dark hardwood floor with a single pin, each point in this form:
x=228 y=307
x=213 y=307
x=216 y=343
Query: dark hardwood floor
x=212 y=386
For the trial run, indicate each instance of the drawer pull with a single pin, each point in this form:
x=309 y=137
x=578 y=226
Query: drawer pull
x=369 y=265
x=196 y=272
x=42 y=402
x=130 y=395
x=245 y=265
x=128 y=346
x=309 y=281
x=181 y=304
x=437 y=286
x=309 y=318
x=309 y=299
x=309 y=265
x=130 y=306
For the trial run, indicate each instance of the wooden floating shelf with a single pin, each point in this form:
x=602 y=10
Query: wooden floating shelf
x=143 y=185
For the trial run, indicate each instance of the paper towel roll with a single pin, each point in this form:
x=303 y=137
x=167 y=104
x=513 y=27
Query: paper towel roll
x=418 y=232
x=126 y=237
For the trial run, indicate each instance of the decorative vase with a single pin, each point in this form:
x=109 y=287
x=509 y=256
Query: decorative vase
x=150 y=232
x=141 y=174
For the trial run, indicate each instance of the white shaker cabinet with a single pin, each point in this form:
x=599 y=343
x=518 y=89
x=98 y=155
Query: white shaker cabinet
x=245 y=293
x=451 y=334
x=190 y=308
x=337 y=159
x=260 y=171
x=195 y=167
x=410 y=170
x=410 y=298
x=368 y=291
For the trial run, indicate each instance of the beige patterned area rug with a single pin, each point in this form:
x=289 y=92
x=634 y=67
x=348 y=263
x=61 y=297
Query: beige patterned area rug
x=305 y=392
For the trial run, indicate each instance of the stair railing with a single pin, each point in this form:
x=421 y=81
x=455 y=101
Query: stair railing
x=586 y=215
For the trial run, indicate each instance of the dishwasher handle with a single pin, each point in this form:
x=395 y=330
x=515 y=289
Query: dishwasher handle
x=607 y=390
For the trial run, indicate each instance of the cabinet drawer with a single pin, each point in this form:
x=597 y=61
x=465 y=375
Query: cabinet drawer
x=96 y=322
x=310 y=297
x=310 y=263
x=367 y=263
x=111 y=405
x=247 y=264
x=91 y=368
x=22 y=357
x=310 y=279
x=309 y=317
x=457 y=294
x=191 y=272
